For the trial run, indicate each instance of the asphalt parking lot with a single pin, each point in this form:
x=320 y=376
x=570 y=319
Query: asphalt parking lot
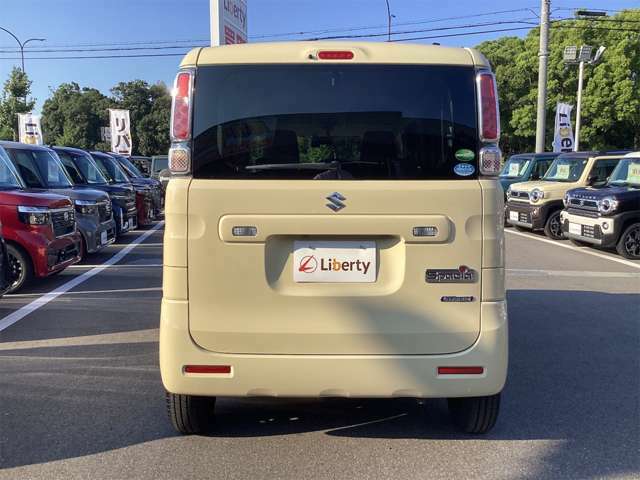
x=81 y=397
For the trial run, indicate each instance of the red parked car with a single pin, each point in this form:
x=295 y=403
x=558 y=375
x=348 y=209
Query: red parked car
x=39 y=229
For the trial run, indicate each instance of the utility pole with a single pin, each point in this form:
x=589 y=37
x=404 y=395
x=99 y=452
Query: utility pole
x=543 y=56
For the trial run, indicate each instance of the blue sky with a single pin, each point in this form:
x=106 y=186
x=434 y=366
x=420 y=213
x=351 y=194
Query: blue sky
x=81 y=22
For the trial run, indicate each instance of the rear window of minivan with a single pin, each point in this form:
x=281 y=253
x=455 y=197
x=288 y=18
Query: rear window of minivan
x=329 y=121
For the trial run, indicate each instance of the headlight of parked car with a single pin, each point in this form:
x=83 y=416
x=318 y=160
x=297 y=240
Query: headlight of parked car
x=34 y=215
x=607 y=205
x=86 y=207
x=536 y=195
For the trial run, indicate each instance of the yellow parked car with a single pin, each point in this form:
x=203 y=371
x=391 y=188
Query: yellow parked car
x=334 y=229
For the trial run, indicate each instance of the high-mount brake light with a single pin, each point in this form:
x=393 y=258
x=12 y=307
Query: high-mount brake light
x=181 y=108
x=488 y=108
x=335 y=55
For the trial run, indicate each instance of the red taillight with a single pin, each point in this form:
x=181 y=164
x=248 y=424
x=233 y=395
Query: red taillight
x=488 y=108
x=335 y=55
x=460 y=370
x=181 y=108
x=219 y=369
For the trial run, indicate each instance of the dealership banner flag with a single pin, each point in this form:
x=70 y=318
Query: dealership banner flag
x=228 y=22
x=29 y=129
x=120 y=131
x=563 y=133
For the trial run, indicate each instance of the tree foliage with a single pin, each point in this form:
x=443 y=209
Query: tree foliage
x=14 y=100
x=72 y=116
x=611 y=97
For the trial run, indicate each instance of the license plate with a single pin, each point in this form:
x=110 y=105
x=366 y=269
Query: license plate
x=334 y=262
x=513 y=216
x=575 y=228
x=103 y=237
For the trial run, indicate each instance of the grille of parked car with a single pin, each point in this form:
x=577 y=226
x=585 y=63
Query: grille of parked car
x=64 y=222
x=520 y=195
x=582 y=203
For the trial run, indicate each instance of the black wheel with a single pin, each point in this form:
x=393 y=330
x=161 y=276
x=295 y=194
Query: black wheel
x=553 y=227
x=629 y=244
x=20 y=269
x=474 y=414
x=190 y=414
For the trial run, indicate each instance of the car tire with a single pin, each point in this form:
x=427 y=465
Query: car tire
x=190 y=414
x=475 y=415
x=20 y=268
x=553 y=227
x=629 y=244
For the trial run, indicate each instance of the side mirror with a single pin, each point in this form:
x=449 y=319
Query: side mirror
x=535 y=176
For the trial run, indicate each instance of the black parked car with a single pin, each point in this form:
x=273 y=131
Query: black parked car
x=148 y=187
x=608 y=216
x=113 y=173
x=85 y=172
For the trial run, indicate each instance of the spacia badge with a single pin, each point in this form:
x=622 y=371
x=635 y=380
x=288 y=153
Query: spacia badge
x=462 y=274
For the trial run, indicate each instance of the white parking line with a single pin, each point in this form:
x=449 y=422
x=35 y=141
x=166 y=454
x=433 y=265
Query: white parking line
x=88 y=292
x=148 y=265
x=19 y=314
x=586 y=250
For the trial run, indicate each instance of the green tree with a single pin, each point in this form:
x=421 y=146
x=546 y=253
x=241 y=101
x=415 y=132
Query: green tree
x=149 y=109
x=72 y=116
x=14 y=100
x=611 y=98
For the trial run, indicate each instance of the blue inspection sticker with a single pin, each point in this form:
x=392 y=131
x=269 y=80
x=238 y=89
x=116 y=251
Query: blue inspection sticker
x=464 y=169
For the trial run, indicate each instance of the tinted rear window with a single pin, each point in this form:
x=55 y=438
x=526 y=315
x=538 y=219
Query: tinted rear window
x=335 y=121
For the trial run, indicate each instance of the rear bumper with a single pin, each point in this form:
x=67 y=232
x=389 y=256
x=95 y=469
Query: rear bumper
x=333 y=375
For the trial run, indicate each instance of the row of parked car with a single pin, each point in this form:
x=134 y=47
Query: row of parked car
x=59 y=204
x=591 y=198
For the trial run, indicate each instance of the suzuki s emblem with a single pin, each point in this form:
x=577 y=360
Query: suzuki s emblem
x=335 y=201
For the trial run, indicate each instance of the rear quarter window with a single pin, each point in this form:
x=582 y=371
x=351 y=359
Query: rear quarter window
x=362 y=122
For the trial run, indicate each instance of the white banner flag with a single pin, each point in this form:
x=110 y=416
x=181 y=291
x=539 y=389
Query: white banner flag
x=228 y=22
x=120 y=131
x=29 y=129
x=563 y=133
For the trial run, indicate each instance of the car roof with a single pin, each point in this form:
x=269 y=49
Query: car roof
x=68 y=149
x=307 y=53
x=23 y=146
x=633 y=154
x=536 y=155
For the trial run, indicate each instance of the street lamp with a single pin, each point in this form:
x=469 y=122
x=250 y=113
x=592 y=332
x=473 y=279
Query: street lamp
x=389 y=17
x=573 y=56
x=22 y=44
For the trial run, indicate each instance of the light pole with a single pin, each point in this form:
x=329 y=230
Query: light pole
x=22 y=44
x=543 y=56
x=572 y=56
x=389 y=16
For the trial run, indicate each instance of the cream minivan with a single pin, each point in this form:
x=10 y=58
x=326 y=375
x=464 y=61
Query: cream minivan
x=334 y=229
